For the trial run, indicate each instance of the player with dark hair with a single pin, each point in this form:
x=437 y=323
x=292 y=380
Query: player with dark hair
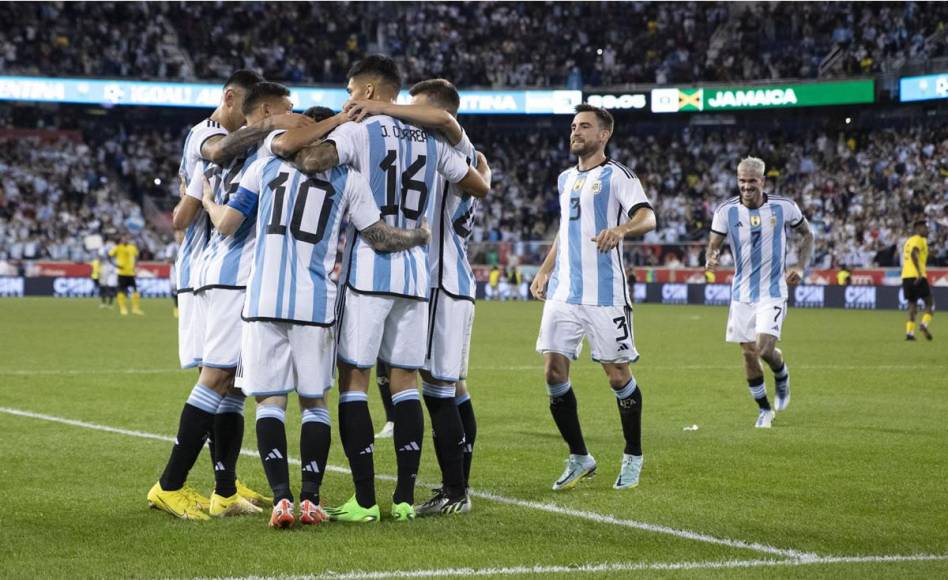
x=914 y=281
x=583 y=282
x=435 y=105
x=385 y=295
x=216 y=140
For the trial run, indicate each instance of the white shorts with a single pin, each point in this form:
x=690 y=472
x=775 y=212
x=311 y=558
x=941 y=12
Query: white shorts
x=190 y=330
x=391 y=328
x=450 y=321
x=277 y=358
x=746 y=320
x=222 y=307
x=607 y=328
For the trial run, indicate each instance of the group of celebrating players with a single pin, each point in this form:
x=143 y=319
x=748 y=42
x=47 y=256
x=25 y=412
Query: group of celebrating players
x=265 y=197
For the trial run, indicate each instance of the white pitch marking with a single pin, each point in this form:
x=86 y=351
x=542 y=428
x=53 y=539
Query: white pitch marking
x=81 y=372
x=539 y=506
x=618 y=567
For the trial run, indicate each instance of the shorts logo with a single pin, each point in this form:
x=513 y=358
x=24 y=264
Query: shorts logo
x=597 y=187
x=755 y=221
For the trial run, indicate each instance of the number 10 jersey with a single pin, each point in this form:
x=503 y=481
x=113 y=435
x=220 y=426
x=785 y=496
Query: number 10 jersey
x=401 y=163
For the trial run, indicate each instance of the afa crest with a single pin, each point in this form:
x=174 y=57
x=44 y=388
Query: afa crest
x=755 y=221
x=597 y=187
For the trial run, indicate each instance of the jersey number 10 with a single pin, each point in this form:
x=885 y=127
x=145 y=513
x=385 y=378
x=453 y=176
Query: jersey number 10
x=276 y=227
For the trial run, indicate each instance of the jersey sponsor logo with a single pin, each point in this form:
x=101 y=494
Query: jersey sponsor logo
x=675 y=294
x=860 y=297
x=807 y=296
x=12 y=286
x=717 y=294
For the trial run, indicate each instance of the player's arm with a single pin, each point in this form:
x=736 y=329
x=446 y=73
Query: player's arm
x=915 y=254
x=225 y=218
x=221 y=149
x=540 y=281
x=186 y=208
x=713 y=252
x=287 y=144
x=640 y=223
x=316 y=158
x=420 y=115
x=385 y=238
x=455 y=169
x=795 y=273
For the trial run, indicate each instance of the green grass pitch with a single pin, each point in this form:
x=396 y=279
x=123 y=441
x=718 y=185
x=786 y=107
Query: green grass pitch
x=855 y=467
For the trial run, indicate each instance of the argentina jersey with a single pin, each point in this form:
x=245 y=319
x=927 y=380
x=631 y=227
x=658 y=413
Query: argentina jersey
x=227 y=259
x=187 y=262
x=448 y=265
x=590 y=201
x=401 y=163
x=298 y=218
x=758 y=240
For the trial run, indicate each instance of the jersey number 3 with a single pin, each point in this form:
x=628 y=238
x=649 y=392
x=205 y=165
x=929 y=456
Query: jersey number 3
x=301 y=212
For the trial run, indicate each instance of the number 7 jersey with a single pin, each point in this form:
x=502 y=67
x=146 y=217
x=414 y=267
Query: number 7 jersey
x=401 y=162
x=298 y=223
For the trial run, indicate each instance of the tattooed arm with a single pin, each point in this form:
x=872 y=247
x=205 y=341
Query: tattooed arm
x=222 y=149
x=316 y=158
x=384 y=238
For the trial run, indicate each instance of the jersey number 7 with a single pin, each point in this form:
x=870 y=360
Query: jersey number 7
x=276 y=227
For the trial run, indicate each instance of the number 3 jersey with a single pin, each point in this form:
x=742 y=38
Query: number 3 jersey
x=401 y=163
x=603 y=197
x=297 y=231
x=758 y=239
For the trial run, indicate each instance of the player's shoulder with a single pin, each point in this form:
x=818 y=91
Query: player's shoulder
x=620 y=171
x=728 y=203
x=348 y=128
x=778 y=199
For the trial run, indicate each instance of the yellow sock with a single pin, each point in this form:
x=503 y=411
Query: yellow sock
x=136 y=302
x=926 y=319
x=121 y=302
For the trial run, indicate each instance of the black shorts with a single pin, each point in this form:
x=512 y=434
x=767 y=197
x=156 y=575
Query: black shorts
x=914 y=292
x=126 y=282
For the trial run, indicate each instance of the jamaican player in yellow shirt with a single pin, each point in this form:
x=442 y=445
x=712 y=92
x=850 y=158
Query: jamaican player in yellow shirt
x=914 y=282
x=125 y=253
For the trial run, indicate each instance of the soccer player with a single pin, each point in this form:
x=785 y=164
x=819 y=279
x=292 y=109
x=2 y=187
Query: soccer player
x=914 y=281
x=219 y=286
x=756 y=225
x=108 y=277
x=582 y=280
x=96 y=266
x=205 y=143
x=384 y=301
x=435 y=105
x=125 y=253
x=290 y=309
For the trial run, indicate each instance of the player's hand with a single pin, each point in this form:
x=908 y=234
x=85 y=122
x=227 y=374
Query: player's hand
x=711 y=264
x=918 y=281
x=794 y=276
x=208 y=192
x=290 y=121
x=359 y=110
x=423 y=226
x=607 y=240
x=538 y=286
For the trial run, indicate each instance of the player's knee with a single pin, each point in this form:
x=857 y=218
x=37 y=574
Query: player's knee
x=619 y=375
x=556 y=375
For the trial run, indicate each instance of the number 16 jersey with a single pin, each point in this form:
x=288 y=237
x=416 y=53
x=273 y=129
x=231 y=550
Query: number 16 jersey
x=401 y=163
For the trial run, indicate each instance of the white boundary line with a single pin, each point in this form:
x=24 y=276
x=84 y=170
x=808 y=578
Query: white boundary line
x=539 y=506
x=621 y=567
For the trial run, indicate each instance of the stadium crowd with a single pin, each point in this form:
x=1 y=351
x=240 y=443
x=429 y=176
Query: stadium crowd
x=496 y=44
x=858 y=188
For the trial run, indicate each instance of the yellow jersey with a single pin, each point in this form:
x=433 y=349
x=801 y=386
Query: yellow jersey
x=125 y=255
x=96 y=269
x=494 y=278
x=908 y=267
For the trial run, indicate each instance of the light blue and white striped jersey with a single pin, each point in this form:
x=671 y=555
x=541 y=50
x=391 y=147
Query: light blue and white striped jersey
x=187 y=262
x=227 y=259
x=401 y=163
x=591 y=201
x=448 y=265
x=758 y=239
x=298 y=221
